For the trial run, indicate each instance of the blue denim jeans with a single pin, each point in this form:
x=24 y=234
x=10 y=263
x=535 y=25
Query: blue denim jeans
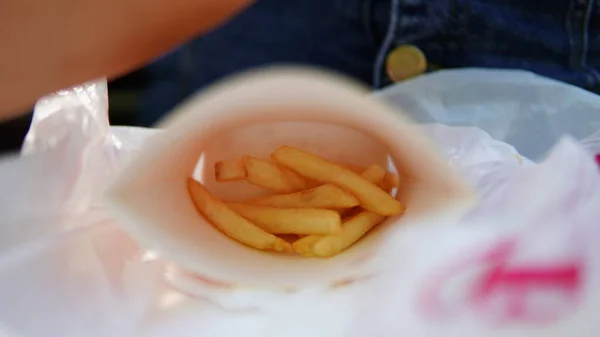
x=554 y=38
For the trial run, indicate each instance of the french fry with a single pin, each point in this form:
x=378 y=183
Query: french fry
x=389 y=182
x=374 y=174
x=229 y=170
x=371 y=197
x=321 y=208
x=232 y=224
x=302 y=221
x=324 y=196
x=268 y=174
x=330 y=245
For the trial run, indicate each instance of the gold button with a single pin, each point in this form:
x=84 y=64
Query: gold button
x=405 y=62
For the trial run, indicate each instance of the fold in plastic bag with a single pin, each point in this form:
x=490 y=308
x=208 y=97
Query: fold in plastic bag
x=66 y=156
x=65 y=268
x=88 y=282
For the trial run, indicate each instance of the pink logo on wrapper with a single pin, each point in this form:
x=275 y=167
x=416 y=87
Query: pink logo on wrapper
x=598 y=159
x=502 y=293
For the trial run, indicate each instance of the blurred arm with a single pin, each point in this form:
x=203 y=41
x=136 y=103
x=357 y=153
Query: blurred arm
x=47 y=45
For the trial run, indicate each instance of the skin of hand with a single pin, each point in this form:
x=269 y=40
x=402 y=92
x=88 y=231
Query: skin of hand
x=48 y=45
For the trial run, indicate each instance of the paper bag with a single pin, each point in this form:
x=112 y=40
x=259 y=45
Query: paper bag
x=254 y=114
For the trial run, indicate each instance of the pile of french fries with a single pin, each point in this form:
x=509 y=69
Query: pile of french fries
x=318 y=208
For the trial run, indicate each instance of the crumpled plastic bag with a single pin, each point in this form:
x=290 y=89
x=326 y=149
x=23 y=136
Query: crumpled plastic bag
x=520 y=108
x=65 y=267
x=525 y=262
x=67 y=270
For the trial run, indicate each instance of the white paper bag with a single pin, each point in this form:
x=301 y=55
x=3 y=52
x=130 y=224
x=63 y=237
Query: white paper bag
x=254 y=115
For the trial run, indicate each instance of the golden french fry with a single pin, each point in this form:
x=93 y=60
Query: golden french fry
x=232 y=224
x=330 y=245
x=302 y=221
x=229 y=170
x=371 y=197
x=374 y=174
x=268 y=174
x=389 y=181
x=324 y=196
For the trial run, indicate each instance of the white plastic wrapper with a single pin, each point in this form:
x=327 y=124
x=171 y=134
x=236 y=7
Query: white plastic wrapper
x=65 y=268
x=525 y=262
x=520 y=108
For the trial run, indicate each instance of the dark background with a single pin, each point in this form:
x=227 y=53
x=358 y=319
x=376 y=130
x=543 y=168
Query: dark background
x=124 y=99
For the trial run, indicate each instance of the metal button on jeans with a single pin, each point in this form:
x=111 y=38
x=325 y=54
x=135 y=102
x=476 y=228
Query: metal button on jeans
x=404 y=62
